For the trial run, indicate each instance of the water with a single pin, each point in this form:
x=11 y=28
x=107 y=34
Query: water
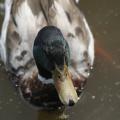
x=101 y=99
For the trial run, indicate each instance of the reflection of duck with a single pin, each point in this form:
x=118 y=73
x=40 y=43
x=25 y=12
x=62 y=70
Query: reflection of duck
x=59 y=60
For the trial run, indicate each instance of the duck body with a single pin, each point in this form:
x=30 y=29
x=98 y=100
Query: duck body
x=29 y=49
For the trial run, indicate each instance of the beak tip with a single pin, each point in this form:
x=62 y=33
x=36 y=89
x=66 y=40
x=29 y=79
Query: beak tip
x=71 y=103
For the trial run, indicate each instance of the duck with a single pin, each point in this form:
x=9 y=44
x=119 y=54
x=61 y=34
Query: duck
x=48 y=49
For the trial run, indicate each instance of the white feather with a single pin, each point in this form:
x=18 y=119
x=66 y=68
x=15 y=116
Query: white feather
x=8 y=4
x=91 y=43
x=44 y=80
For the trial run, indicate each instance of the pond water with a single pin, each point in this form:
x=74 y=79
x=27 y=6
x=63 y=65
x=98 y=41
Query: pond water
x=101 y=99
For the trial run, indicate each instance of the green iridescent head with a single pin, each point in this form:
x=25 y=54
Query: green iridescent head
x=52 y=56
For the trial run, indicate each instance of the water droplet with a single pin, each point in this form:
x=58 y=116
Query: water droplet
x=93 y=97
x=10 y=100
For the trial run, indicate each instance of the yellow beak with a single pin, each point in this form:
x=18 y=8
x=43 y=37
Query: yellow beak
x=64 y=86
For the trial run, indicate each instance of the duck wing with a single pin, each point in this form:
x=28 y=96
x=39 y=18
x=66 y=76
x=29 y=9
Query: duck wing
x=71 y=21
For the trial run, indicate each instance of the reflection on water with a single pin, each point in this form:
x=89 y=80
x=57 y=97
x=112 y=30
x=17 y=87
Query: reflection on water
x=101 y=99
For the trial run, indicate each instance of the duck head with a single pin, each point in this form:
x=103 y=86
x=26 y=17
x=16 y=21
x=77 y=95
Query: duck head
x=52 y=56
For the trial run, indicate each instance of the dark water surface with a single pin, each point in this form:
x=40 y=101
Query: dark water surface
x=101 y=99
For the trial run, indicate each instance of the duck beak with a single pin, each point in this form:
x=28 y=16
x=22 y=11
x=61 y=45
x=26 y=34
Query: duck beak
x=64 y=86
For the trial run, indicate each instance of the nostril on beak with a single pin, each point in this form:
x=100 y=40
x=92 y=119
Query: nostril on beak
x=71 y=102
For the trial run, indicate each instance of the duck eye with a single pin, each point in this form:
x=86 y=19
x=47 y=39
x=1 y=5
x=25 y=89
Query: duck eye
x=64 y=52
x=59 y=76
x=66 y=74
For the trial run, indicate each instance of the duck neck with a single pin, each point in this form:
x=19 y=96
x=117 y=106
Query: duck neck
x=44 y=73
x=45 y=76
x=45 y=80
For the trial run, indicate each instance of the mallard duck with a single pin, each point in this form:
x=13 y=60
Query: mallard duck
x=48 y=47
